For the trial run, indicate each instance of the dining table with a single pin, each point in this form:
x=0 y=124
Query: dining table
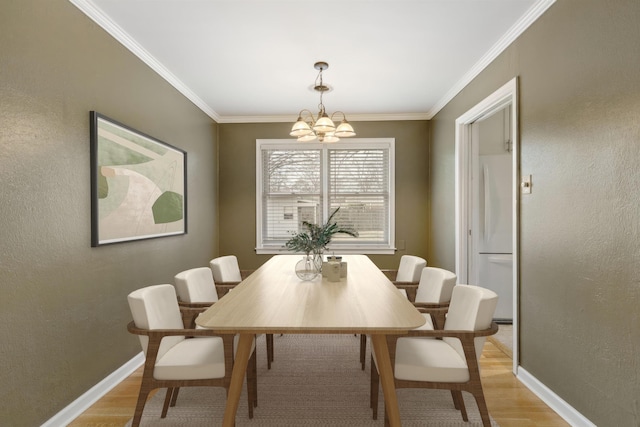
x=274 y=300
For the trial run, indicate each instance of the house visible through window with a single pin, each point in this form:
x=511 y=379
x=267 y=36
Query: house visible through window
x=299 y=182
x=288 y=213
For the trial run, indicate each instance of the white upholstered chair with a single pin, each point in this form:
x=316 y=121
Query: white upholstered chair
x=435 y=286
x=171 y=359
x=410 y=268
x=196 y=286
x=406 y=279
x=419 y=361
x=434 y=291
x=407 y=276
x=225 y=270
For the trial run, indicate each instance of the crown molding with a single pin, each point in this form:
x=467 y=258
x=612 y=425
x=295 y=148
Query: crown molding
x=98 y=16
x=352 y=118
x=514 y=32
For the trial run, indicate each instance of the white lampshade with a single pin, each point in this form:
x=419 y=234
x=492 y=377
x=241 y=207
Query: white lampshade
x=330 y=137
x=344 y=130
x=300 y=128
x=306 y=138
x=324 y=124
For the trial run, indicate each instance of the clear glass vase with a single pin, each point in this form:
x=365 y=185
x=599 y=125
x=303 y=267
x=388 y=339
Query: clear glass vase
x=317 y=259
x=306 y=268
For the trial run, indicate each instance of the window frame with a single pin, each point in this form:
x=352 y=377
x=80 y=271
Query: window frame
x=351 y=143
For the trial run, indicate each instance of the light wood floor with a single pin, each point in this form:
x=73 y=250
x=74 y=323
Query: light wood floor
x=510 y=403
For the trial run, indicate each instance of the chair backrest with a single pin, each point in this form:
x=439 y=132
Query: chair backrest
x=471 y=309
x=196 y=285
x=410 y=268
x=156 y=307
x=436 y=285
x=225 y=269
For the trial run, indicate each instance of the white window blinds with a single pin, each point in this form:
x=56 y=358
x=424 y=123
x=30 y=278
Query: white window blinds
x=299 y=182
x=359 y=185
x=291 y=191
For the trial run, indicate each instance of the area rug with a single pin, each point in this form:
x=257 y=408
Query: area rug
x=315 y=380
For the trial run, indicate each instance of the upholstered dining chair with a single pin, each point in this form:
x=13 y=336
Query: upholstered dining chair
x=171 y=359
x=226 y=269
x=433 y=291
x=195 y=287
x=406 y=279
x=407 y=276
x=451 y=362
x=226 y=273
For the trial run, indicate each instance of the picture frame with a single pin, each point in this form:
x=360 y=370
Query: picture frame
x=138 y=184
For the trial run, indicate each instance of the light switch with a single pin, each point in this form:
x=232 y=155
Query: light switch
x=526 y=184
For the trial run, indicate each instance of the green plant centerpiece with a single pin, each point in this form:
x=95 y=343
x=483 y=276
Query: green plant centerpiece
x=314 y=240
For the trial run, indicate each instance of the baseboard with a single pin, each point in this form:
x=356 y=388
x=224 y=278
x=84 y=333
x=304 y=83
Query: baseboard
x=82 y=403
x=555 y=402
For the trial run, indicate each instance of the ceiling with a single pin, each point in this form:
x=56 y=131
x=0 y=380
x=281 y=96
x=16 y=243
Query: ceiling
x=253 y=60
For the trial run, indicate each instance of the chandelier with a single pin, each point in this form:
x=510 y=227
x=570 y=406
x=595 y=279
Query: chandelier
x=308 y=128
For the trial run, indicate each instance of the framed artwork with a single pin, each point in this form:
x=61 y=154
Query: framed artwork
x=138 y=184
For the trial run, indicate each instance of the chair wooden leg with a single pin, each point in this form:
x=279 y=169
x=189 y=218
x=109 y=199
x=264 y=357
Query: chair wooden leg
x=167 y=401
x=454 y=397
x=462 y=408
x=142 y=399
x=269 y=339
x=254 y=385
x=375 y=386
x=252 y=398
x=482 y=407
x=174 y=398
x=363 y=349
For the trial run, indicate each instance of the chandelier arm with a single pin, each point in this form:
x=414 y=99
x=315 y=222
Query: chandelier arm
x=344 y=116
x=308 y=119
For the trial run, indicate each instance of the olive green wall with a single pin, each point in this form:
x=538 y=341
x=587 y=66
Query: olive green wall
x=63 y=308
x=238 y=185
x=579 y=80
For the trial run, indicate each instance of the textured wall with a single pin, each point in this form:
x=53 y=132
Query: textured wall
x=579 y=131
x=63 y=308
x=238 y=185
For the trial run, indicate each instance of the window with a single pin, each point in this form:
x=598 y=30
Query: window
x=299 y=182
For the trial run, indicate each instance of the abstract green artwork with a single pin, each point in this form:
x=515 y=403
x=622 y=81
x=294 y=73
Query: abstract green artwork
x=138 y=184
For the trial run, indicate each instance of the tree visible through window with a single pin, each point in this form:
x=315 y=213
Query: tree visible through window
x=307 y=181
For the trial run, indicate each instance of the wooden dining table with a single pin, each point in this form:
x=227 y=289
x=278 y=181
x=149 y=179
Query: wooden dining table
x=273 y=300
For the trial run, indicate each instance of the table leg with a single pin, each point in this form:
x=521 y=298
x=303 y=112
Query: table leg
x=237 y=376
x=379 y=344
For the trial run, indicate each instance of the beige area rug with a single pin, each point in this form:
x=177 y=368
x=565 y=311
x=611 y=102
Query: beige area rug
x=315 y=380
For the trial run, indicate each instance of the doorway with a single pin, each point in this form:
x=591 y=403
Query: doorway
x=487 y=194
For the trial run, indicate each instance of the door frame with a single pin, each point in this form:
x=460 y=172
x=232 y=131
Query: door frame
x=507 y=94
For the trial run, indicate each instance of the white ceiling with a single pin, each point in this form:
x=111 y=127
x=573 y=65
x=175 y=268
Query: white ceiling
x=252 y=60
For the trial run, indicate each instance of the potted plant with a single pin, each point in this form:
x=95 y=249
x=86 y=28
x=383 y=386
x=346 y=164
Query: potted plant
x=314 y=240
